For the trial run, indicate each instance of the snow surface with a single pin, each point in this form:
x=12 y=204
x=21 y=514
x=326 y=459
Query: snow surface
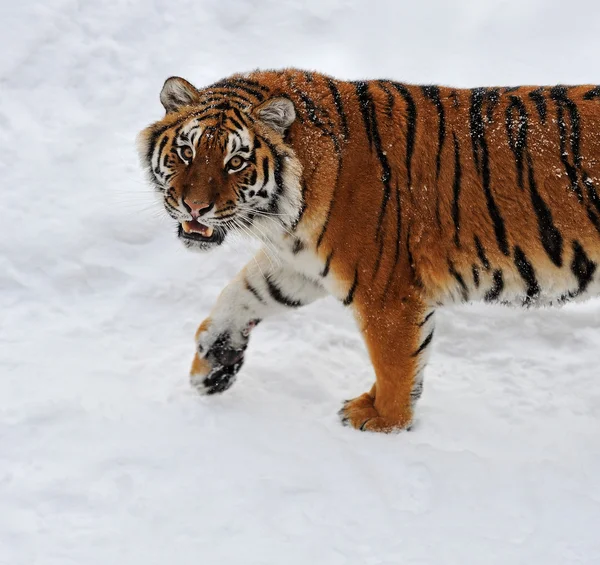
x=108 y=456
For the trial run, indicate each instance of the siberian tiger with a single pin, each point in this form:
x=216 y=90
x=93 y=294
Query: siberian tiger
x=395 y=199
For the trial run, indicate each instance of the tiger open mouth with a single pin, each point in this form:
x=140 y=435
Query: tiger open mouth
x=195 y=231
x=196 y=227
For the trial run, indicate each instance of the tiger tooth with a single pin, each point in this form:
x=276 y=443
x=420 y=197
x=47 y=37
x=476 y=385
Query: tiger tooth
x=186 y=227
x=209 y=231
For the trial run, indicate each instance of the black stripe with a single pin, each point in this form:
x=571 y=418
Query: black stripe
x=176 y=212
x=325 y=270
x=228 y=95
x=298 y=246
x=426 y=319
x=481 y=254
x=456 y=191
x=481 y=157
x=204 y=115
x=591 y=190
x=411 y=122
x=464 y=291
x=278 y=177
x=433 y=94
x=364 y=101
x=537 y=96
x=313 y=111
x=475 y=275
x=550 y=235
x=350 y=296
x=517 y=134
x=225 y=105
x=527 y=273
x=565 y=106
x=337 y=100
x=592 y=94
x=249 y=82
x=424 y=345
x=492 y=99
x=277 y=174
x=278 y=296
x=583 y=267
x=235 y=123
x=389 y=107
x=369 y=112
x=454 y=97
x=476 y=125
x=593 y=218
x=415 y=393
x=237 y=84
x=265 y=168
x=255 y=292
x=246 y=119
x=160 y=150
x=497 y=287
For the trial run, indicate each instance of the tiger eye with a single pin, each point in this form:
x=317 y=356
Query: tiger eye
x=187 y=153
x=236 y=162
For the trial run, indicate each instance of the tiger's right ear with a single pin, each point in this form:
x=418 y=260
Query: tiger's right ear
x=178 y=92
x=278 y=113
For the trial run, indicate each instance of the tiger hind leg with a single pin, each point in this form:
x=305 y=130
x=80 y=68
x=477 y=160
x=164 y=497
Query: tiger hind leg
x=398 y=341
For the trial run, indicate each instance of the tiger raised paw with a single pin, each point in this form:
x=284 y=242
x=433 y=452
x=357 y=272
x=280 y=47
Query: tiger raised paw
x=393 y=198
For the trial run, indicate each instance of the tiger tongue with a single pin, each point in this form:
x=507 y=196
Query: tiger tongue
x=196 y=227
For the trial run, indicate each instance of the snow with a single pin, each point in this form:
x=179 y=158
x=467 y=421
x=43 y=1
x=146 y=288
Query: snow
x=106 y=453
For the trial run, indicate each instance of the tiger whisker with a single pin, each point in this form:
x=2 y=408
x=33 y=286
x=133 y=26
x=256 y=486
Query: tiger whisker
x=254 y=257
x=268 y=245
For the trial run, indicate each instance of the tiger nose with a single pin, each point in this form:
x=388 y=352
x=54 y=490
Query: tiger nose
x=197 y=208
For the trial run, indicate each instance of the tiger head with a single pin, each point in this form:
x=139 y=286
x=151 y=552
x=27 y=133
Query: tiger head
x=221 y=164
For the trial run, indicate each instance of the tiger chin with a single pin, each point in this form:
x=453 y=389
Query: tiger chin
x=395 y=199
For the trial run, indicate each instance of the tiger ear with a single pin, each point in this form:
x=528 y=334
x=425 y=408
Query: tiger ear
x=278 y=113
x=178 y=92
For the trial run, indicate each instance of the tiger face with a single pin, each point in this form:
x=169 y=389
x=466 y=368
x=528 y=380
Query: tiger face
x=220 y=165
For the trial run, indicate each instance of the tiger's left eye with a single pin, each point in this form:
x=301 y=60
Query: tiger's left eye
x=187 y=153
x=236 y=163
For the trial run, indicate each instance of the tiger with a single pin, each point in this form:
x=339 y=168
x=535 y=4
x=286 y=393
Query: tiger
x=395 y=199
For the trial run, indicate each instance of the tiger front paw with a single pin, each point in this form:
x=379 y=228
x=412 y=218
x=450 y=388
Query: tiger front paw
x=219 y=356
x=208 y=378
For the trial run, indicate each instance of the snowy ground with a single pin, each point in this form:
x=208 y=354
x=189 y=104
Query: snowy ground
x=107 y=456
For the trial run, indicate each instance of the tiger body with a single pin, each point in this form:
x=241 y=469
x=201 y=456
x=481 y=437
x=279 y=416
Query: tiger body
x=395 y=199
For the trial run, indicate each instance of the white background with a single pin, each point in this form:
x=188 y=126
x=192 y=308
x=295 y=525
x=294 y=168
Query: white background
x=107 y=456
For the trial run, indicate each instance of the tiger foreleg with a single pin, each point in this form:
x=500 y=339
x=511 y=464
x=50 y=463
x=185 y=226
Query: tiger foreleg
x=265 y=286
x=398 y=339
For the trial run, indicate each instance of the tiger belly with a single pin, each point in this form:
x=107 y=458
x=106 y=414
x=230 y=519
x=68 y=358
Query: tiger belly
x=522 y=283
